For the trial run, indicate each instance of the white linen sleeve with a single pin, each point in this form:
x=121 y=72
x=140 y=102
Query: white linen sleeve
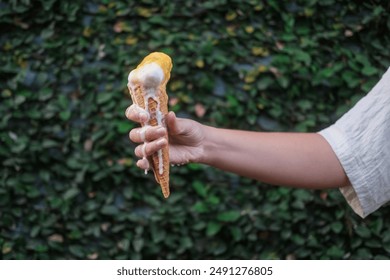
x=361 y=141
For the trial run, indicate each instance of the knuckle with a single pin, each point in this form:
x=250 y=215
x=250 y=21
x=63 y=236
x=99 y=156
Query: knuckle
x=149 y=134
x=158 y=144
x=151 y=148
x=154 y=133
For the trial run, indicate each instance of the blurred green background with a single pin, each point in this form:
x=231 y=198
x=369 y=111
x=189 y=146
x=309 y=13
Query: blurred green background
x=69 y=187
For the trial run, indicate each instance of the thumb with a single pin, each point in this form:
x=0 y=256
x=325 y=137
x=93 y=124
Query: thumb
x=172 y=123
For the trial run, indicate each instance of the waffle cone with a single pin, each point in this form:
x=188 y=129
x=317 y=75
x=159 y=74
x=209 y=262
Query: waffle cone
x=137 y=92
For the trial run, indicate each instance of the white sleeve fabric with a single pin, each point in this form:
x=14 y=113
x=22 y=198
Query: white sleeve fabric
x=361 y=141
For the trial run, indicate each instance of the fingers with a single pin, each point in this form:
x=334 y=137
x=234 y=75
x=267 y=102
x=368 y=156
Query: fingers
x=147 y=149
x=137 y=114
x=143 y=164
x=147 y=133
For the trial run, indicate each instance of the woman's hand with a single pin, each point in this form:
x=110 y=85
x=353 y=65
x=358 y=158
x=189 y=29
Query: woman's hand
x=185 y=138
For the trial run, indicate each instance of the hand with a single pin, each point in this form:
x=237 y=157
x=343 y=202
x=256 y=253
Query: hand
x=185 y=138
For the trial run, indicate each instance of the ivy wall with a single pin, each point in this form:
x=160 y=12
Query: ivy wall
x=69 y=186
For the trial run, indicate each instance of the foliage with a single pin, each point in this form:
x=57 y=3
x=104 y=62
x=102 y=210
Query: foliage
x=69 y=187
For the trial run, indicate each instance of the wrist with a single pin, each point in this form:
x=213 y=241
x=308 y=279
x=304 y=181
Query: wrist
x=207 y=145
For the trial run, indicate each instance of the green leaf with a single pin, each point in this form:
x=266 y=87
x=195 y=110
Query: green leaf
x=48 y=4
x=48 y=143
x=305 y=105
x=369 y=70
x=236 y=233
x=283 y=81
x=303 y=56
x=201 y=207
x=377 y=226
x=47 y=33
x=213 y=228
x=19 y=99
x=138 y=244
x=229 y=216
x=213 y=200
x=45 y=94
x=186 y=242
x=77 y=250
x=337 y=227
x=303 y=195
x=73 y=163
x=265 y=82
x=298 y=240
x=65 y=115
x=128 y=192
x=199 y=225
x=368 y=85
x=351 y=79
x=71 y=193
x=386 y=236
x=103 y=97
x=371 y=243
x=200 y=188
x=363 y=232
x=335 y=252
x=35 y=231
x=32 y=192
x=41 y=248
x=157 y=19
x=109 y=210
x=124 y=126
x=158 y=234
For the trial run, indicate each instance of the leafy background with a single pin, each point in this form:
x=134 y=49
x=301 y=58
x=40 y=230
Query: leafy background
x=69 y=187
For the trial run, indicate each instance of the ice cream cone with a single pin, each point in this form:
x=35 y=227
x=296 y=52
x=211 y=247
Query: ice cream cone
x=147 y=86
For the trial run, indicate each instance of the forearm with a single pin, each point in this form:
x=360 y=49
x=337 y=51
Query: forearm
x=294 y=159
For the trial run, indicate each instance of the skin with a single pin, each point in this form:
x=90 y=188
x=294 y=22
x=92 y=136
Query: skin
x=303 y=160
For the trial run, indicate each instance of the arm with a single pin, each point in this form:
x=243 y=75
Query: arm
x=296 y=159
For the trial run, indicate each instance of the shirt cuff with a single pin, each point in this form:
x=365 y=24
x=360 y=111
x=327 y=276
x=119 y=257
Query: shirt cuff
x=356 y=194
